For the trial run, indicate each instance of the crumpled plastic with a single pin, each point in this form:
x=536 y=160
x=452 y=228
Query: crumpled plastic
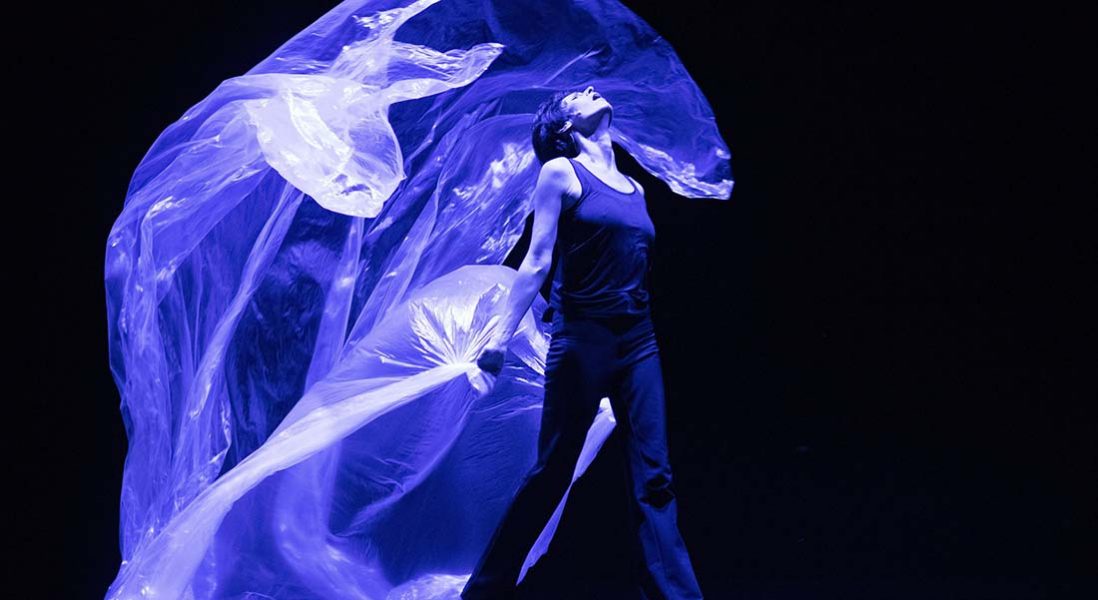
x=308 y=263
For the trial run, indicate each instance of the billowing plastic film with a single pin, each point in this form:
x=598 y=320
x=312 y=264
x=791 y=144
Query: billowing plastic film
x=306 y=268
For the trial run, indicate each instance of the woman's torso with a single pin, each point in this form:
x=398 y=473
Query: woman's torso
x=603 y=252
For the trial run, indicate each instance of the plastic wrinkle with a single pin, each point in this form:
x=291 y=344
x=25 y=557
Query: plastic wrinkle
x=307 y=265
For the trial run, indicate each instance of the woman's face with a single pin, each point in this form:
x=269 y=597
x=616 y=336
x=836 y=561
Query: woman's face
x=585 y=108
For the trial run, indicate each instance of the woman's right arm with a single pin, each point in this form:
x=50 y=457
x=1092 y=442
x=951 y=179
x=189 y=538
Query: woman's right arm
x=552 y=184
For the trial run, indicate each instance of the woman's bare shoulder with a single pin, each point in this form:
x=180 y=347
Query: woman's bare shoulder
x=560 y=173
x=558 y=167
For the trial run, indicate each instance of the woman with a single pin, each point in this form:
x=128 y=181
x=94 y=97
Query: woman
x=290 y=249
x=603 y=344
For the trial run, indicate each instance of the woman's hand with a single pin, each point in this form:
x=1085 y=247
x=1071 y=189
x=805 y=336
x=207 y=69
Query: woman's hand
x=489 y=364
x=491 y=358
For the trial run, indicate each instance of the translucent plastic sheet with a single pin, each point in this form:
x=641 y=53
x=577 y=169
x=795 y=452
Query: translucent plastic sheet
x=305 y=269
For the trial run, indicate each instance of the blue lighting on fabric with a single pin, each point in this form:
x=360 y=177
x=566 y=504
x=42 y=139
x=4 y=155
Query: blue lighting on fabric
x=305 y=269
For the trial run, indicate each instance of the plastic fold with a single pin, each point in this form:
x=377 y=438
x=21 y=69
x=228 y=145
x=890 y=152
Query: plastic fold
x=308 y=263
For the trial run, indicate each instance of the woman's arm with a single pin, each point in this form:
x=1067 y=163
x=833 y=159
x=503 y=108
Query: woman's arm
x=553 y=181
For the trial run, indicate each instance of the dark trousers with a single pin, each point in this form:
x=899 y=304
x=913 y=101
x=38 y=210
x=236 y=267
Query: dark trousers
x=589 y=359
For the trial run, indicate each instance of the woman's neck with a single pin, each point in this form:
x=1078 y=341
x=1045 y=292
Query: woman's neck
x=598 y=147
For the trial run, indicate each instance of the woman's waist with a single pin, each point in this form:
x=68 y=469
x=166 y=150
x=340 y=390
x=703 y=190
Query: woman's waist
x=615 y=311
x=614 y=321
x=600 y=300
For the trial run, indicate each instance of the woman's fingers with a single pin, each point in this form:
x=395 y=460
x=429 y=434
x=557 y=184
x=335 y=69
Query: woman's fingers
x=491 y=360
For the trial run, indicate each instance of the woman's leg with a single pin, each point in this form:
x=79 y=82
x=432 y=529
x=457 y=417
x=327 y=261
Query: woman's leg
x=576 y=379
x=638 y=402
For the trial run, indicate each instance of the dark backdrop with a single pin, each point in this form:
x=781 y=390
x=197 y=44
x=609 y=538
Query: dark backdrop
x=879 y=353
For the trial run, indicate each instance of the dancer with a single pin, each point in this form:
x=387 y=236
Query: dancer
x=594 y=219
x=306 y=270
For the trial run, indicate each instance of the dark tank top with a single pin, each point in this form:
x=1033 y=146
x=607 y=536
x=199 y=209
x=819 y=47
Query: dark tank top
x=602 y=253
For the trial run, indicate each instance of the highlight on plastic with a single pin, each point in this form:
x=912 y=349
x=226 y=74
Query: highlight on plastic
x=307 y=264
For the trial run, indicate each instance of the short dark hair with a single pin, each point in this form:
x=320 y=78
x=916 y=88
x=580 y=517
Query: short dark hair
x=550 y=117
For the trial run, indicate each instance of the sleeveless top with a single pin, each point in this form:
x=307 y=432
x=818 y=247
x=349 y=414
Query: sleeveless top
x=602 y=255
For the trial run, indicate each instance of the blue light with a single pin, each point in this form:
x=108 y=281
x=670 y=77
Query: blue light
x=306 y=267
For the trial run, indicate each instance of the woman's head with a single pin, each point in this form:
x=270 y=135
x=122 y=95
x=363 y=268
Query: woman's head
x=563 y=114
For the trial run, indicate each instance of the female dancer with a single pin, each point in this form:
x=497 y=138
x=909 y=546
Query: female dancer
x=603 y=344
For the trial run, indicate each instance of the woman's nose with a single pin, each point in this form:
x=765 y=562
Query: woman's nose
x=589 y=89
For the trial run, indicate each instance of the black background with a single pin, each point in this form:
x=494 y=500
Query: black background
x=879 y=353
